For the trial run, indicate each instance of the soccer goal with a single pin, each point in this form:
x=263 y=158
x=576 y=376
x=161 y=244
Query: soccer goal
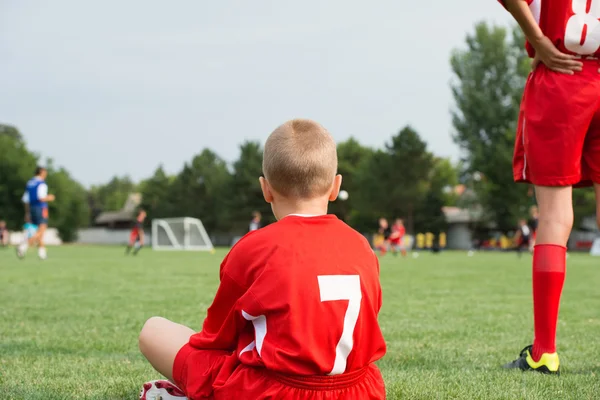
x=180 y=234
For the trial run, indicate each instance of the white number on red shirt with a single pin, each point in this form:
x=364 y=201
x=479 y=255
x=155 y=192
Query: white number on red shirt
x=331 y=288
x=343 y=287
x=582 y=35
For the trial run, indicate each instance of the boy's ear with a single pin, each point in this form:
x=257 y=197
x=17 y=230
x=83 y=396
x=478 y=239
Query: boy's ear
x=335 y=190
x=266 y=190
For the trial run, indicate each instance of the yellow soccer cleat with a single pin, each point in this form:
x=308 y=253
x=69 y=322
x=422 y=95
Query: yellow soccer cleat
x=549 y=363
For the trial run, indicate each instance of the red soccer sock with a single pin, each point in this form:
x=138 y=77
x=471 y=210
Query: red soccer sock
x=549 y=265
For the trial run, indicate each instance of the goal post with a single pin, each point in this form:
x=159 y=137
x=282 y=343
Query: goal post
x=180 y=234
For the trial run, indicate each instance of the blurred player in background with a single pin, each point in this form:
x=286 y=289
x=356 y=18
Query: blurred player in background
x=420 y=241
x=442 y=240
x=136 y=237
x=264 y=336
x=522 y=237
x=557 y=146
x=533 y=225
x=396 y=238
x=3 y=234
x=429 y=240
x=255 y=221
x=383 y=232
x=35 y=200
x=29 y=231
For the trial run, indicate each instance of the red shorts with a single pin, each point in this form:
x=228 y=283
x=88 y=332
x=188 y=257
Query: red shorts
x=558 y=133
x=217 y=375
x=134 y=235
x=396 y=242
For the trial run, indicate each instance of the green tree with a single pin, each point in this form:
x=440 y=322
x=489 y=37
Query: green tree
x=394 y=181
x=352 y=156
x=157 y=197
x=200 y=190
x=245 y=195
x=584 y=204
x=489 y=79
x=112 y=195
x=70 y=211
x=17 y=165
x=11 y=131
x=442 y=177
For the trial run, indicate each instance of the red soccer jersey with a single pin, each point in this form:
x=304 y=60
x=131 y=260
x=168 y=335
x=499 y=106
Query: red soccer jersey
x=572 y=25
x=398 y=232
x=300 y=297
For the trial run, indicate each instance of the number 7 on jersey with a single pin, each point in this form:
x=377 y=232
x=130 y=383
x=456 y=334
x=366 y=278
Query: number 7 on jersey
x=343 y=287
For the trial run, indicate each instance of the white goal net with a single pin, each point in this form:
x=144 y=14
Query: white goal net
x=180 y=234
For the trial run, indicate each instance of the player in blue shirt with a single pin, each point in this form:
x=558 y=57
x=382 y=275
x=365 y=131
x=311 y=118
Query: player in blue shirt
x=36 y=199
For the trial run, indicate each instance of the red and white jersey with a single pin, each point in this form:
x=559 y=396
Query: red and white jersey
x=572 y=25
x=300 y=297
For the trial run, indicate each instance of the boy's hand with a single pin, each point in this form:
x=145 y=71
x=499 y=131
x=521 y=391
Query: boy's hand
x=51 y=197
x=547 y=53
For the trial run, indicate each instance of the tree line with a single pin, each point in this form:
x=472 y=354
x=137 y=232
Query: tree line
x=402 y=179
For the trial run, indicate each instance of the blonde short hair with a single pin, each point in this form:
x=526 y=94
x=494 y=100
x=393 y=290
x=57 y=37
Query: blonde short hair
x=300 y=159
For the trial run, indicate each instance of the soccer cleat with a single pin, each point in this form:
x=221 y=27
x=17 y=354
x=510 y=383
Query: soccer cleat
x=548 y=363
x=161 y=390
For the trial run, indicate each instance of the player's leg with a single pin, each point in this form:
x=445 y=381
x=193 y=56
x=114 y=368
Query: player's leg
x=549 y=267
x=549 y=263
x=39 y=238
x=133 y=236
x=383 y=247
x=35 y=217
x=160 y=340
x=553 y=116
x=139 y=243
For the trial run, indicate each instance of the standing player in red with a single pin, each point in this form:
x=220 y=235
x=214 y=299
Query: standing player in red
x=136 y=237
x=557 y=145
x=397 y=237
x=294 y=317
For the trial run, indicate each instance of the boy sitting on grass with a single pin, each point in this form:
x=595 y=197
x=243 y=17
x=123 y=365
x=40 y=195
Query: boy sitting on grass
x=295 y=315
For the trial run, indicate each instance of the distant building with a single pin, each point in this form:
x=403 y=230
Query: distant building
x=123 y=218
x=461 y=222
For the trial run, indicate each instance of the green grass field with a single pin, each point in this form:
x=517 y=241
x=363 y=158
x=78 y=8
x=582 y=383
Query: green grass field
x=69 y=325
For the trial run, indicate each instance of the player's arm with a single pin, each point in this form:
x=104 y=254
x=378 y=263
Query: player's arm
x=545 y=51
x=517 y=236
x=43 y=193
x=222 y=324
x=141 y=236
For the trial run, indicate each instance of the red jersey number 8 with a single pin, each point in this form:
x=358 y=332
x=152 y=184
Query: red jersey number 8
x=582 y=35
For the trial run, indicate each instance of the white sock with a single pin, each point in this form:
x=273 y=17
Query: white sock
x=24 y=246
x=42 y=253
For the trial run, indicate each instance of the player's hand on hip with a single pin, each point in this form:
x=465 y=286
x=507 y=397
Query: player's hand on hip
x=547 y=53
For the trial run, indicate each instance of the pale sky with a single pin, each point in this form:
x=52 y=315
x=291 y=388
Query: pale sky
x=118 y=87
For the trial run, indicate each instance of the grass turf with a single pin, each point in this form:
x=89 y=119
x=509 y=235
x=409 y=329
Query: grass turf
x=69 y=325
